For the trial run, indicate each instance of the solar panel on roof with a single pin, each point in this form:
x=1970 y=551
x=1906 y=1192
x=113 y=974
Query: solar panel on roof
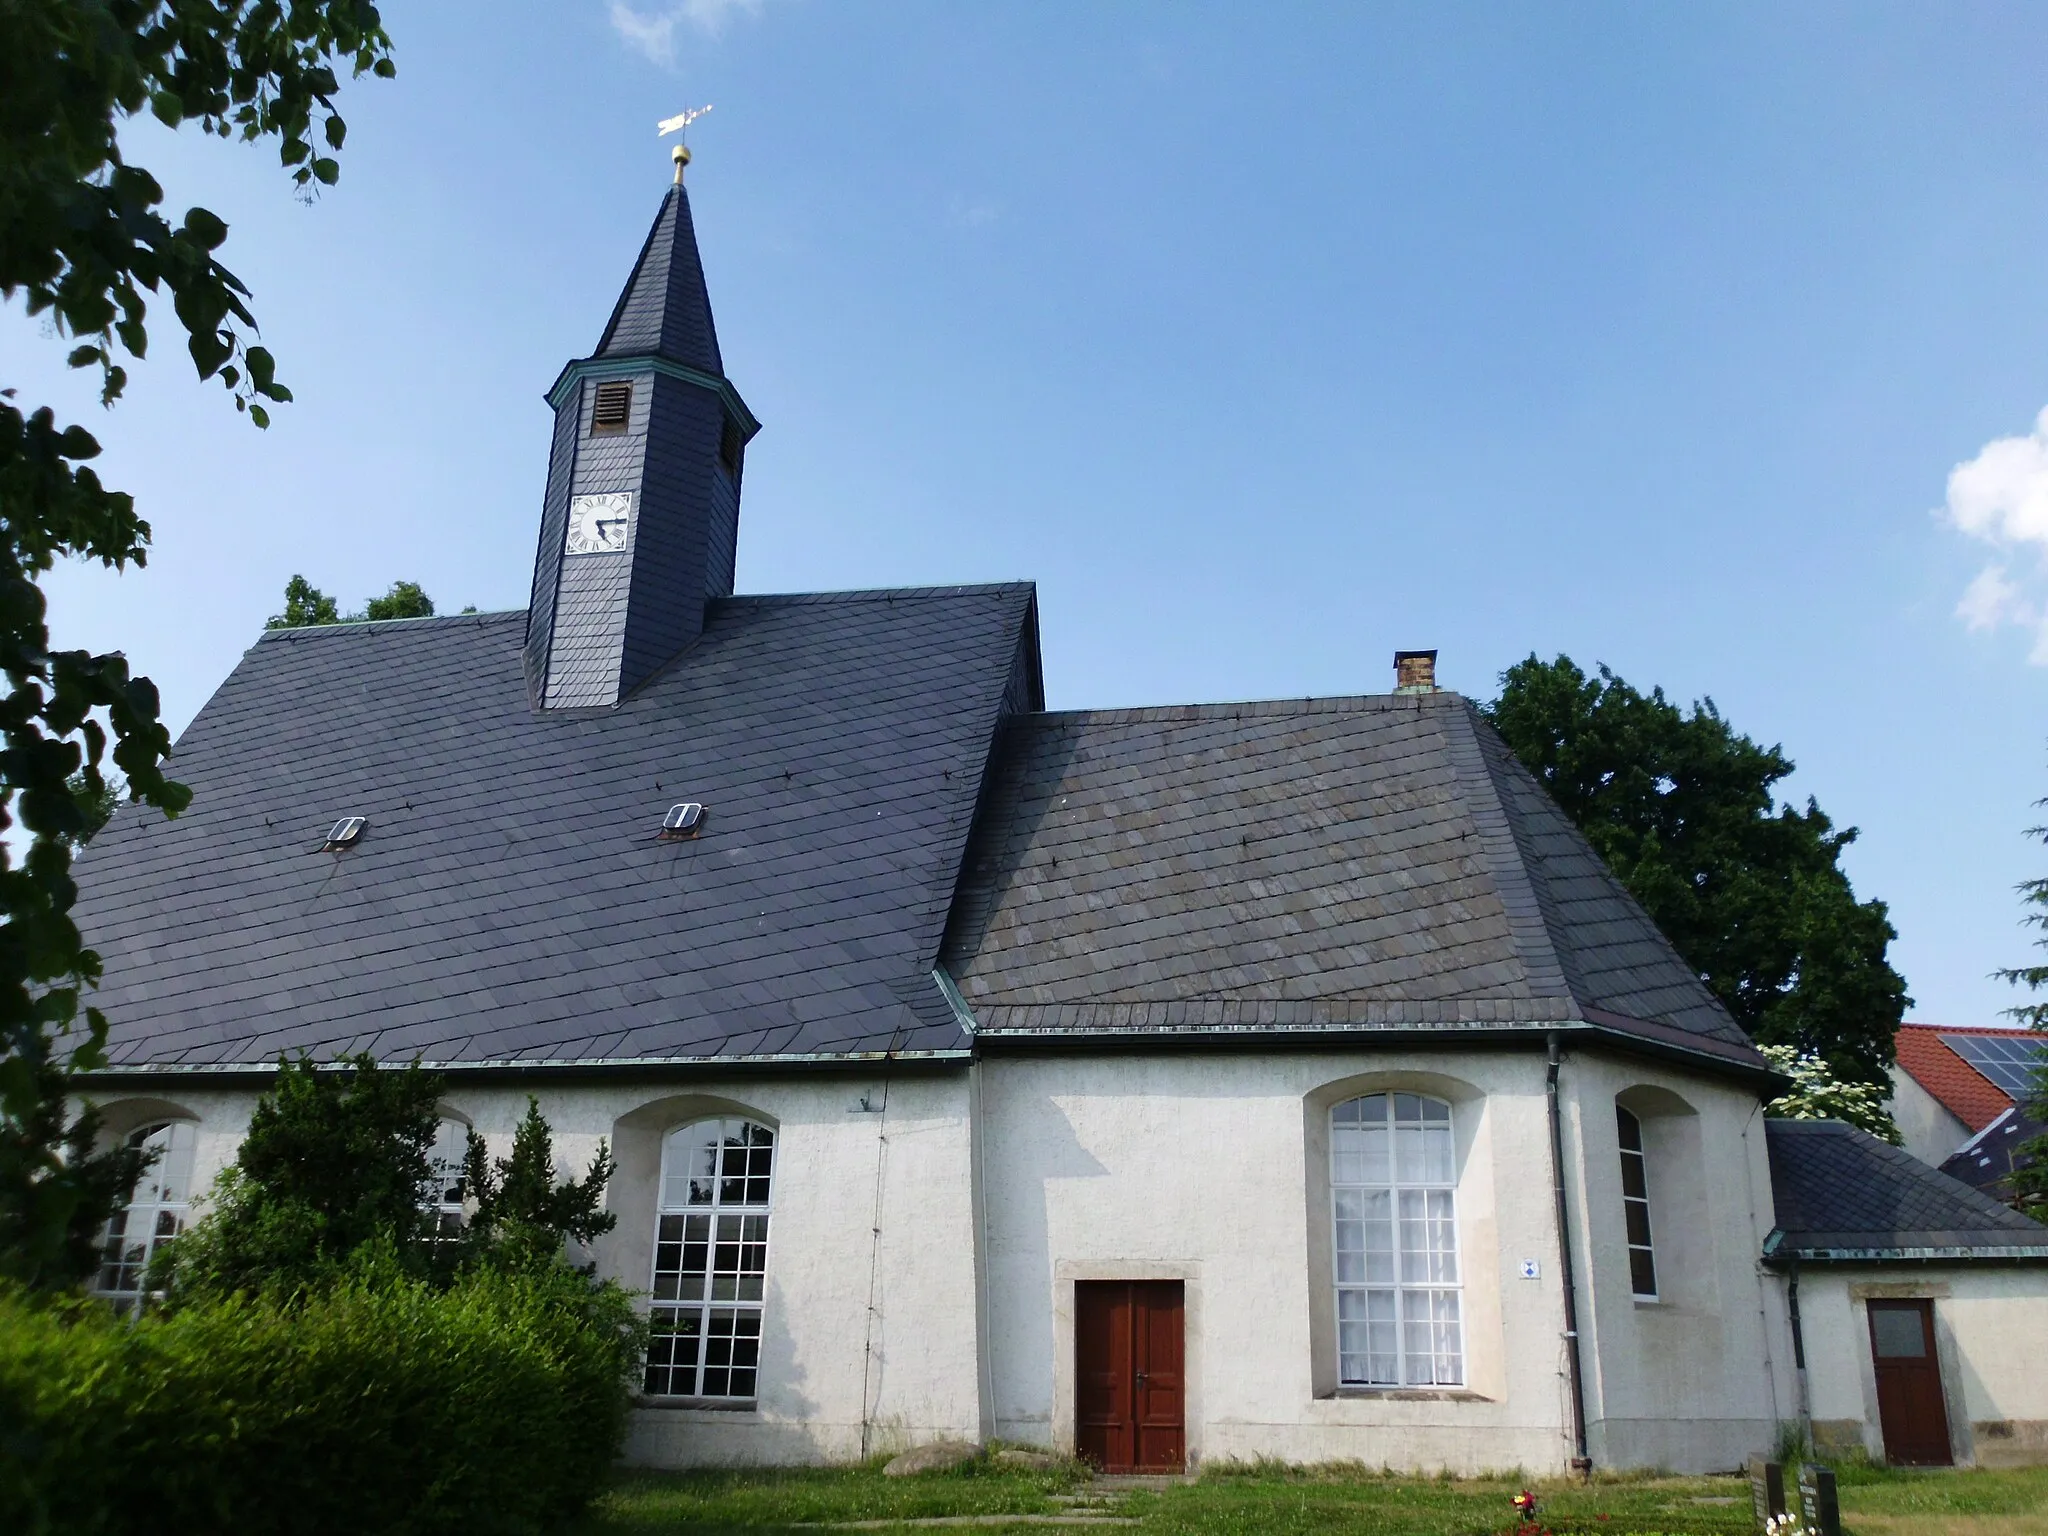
x=2008 y=1060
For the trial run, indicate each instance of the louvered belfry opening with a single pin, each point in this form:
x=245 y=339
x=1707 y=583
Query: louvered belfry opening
x=729 y=444
x=612 y=409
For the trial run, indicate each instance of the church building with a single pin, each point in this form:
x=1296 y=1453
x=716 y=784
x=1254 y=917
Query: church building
x=1167 y=1085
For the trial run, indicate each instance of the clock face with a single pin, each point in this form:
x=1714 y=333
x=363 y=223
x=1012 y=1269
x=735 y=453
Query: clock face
x=598 y=525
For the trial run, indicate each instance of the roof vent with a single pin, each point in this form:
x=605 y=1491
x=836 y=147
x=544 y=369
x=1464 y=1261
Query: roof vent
x=682 y=821
x=612 y=409
x=1415 y=671
x=344 y=834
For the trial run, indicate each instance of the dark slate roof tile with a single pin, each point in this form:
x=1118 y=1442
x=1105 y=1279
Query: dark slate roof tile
x=509 y=899
x=1367 y=862
x=1841 y=1194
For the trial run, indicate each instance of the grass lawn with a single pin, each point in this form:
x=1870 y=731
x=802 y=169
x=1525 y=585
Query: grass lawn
x=1254 y=1501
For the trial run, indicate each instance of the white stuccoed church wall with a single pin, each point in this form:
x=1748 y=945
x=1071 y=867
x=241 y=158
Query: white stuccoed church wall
x=840 y=1174
x=1699 y=1378
x=1208 y=1167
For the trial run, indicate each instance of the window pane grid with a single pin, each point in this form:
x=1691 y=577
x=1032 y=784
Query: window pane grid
x=710 y=1261
x=154 y=1216
x=1635 y=1206
x=1393 y=1187
x=443 y=1204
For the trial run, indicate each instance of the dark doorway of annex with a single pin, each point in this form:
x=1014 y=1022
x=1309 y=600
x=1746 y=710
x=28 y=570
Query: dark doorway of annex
x=1910 y=1411
x=1130 y=1397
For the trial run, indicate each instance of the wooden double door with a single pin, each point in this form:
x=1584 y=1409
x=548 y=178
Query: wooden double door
x=1130 y=1385
x=1910 y=1409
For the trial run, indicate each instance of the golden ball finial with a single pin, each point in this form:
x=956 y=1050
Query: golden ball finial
x=681 y=155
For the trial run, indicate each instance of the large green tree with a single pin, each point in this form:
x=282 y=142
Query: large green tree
x=1683 y=808
x=85 y=244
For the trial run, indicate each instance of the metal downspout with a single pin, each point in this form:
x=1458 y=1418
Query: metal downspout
x=1799 y=1351
x=1581 y=1462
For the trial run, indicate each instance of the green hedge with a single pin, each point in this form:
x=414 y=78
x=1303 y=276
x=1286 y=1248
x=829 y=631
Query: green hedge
x=381 y=1406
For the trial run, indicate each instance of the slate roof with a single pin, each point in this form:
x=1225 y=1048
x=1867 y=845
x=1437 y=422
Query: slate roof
x=665 y=309
x=509 y=901
x=1843 y=1196
x=1326 y=864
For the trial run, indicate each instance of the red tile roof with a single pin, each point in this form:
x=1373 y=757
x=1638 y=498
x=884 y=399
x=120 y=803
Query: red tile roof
x=1961 y=1089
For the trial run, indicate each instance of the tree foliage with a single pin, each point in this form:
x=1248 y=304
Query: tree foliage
x=306 y=605
x=521 y=1215
x=1817 y=1094
x=335 y=1173
x=335 y=1160
x=84 y=242
x=1751 y=892
x=2029 y=1179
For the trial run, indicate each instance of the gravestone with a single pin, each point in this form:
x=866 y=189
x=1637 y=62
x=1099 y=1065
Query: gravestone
x=1766 y=1490
x=1819 y=1511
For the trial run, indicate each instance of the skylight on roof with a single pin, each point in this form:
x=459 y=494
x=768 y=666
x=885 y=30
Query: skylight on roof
x=685 y=820
x=2007 y=1060
x=344 y=834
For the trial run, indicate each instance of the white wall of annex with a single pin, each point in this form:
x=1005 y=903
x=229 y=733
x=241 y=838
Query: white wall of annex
x=1991 y=1337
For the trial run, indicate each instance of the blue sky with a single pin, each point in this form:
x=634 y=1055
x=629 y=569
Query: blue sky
x=1265 y=339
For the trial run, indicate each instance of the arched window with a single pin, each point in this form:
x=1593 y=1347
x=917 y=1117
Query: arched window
x=443 y=1204
x=1393 y=1183
x=1635 y=1205
x=153 y=1216
x=710 y=1260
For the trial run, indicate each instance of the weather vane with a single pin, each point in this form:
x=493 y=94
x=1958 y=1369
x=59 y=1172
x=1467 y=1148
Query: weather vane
x=680 y=123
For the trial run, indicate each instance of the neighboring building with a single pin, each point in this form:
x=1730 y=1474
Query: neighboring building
x=1280 y=1079
x=1918 y=1303
x=1958 y=1097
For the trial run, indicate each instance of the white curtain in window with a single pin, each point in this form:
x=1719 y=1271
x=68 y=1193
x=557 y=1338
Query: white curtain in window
x=1393 y=1187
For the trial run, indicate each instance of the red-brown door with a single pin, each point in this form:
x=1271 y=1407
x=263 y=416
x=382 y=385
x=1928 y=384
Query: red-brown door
x=1130 y=1391
x=1910 y=1410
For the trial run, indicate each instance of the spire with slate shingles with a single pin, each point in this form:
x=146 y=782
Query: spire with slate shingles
x=640 y=523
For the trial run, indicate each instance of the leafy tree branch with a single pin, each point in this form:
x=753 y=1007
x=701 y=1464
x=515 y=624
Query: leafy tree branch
x=84 y=243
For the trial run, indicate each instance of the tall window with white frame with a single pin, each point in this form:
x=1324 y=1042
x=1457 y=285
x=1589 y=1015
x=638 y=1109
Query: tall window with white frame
x=1635 y=1206
x=1393 y=1183
x=710 y=1260
x=154 y=1215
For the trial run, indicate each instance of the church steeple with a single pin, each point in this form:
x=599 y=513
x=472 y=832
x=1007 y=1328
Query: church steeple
x=641 y=518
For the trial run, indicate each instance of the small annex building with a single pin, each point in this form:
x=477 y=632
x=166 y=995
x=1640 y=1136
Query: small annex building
x=1283 y=1079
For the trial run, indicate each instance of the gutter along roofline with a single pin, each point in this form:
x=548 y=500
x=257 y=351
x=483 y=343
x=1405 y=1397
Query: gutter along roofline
x=243 y=1073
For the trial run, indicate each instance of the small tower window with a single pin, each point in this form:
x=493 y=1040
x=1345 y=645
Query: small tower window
x=614 y=407
x=729 y=445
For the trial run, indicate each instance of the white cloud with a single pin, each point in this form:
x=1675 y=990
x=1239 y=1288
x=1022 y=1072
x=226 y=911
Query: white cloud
x=653 y=32
x=2001 y=498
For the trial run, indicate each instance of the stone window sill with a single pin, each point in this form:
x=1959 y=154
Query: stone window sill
x=1406 y=1395
x=699 y=1404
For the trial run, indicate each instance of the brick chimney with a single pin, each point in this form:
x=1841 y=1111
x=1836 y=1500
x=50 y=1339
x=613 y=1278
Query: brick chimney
x=1415 y=671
